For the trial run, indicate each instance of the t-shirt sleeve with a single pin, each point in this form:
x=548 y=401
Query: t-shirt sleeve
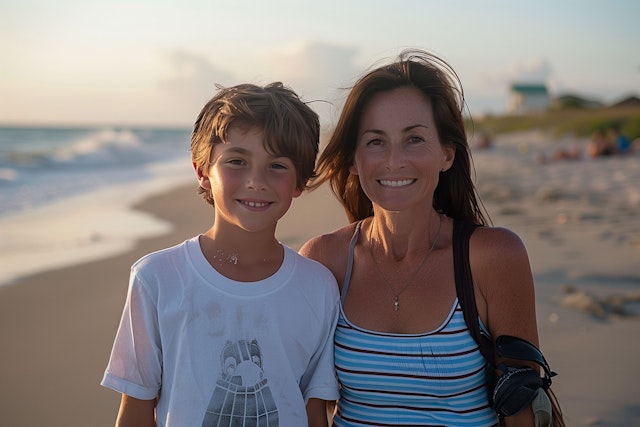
x=319 y=381
x=135 y=366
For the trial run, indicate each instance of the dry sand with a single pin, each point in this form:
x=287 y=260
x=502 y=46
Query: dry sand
x=57 y=327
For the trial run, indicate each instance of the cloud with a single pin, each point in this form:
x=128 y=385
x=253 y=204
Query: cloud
x=318 y=72
x=192 y=78
x=316 y=68
x=535 y=71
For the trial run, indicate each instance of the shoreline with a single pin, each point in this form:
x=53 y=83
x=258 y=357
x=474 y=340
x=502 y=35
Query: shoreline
x=88 y=226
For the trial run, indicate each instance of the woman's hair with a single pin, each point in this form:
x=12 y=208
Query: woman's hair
x=290 y=127
x=455 y=194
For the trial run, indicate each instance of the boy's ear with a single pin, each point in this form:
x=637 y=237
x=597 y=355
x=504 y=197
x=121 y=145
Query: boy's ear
x=297 y=192
x=203 y=180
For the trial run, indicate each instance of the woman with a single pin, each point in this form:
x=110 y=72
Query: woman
x=399 y=163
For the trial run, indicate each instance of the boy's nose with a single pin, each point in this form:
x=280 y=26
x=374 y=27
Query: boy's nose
x=256 y=180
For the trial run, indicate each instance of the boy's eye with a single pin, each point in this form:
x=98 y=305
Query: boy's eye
x=237 y=162
x=279 y=166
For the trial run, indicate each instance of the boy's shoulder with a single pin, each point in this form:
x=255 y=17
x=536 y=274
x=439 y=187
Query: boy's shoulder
x=163 y=256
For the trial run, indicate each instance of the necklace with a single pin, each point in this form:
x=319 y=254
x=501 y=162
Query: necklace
x=220 y=256
x=396 y=301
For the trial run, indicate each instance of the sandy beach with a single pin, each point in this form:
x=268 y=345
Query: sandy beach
x=579 y=220
x=57 y=327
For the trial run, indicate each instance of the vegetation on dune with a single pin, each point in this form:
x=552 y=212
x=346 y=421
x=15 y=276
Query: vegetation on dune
x=579 y=122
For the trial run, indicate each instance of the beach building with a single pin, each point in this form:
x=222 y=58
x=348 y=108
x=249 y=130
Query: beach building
x=527 y=98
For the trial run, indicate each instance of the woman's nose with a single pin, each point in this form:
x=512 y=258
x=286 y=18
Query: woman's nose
x=395 y=157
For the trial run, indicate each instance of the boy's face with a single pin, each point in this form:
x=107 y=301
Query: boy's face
x=252 y=188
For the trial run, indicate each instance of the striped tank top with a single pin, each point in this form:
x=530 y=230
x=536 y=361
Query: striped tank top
x=435 y=378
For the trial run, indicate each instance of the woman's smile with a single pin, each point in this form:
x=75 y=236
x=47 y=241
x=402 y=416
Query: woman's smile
x=396 y=182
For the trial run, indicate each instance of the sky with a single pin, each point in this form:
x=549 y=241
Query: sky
x=156 y=62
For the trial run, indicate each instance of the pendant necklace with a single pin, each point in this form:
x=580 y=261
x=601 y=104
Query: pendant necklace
x=396 y=301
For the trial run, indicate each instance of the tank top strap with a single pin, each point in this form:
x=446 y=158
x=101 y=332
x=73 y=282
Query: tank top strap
x=347 y=276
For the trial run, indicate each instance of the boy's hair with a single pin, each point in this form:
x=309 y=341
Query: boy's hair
x=291 y=128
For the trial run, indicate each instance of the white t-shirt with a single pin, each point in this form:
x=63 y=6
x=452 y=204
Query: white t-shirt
x=216 y=351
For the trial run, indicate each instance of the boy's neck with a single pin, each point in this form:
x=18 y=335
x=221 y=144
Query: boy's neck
x=246 y=257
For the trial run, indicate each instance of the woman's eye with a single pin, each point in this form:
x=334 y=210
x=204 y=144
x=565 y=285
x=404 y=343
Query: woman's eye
x=375 y=142
x=416 y=139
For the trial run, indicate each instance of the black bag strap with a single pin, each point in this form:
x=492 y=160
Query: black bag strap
x=462 y=231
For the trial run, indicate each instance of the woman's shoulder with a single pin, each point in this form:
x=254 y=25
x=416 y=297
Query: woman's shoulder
x=323 y=245
x=331 y=250
x=498 y=258
x=493 y=241
x=505 y=295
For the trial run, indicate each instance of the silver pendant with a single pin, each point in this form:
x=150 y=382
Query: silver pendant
x=396 y=304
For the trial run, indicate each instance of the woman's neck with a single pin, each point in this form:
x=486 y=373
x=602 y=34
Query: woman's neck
x=397 y=235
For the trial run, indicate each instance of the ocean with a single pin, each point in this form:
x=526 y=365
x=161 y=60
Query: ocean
x=39 y=166
x=65 y=193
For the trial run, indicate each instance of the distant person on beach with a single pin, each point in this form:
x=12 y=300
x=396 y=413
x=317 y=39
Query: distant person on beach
x=561 y=154
x=231 y=327
x=619 y=141
x=615 y=142
x=484 y=141
x=599 y=146
x=406 y=352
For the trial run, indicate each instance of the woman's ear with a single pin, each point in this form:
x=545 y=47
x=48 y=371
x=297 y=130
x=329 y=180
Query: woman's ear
x=449 y=152
x=353 y=169
x=203 y=180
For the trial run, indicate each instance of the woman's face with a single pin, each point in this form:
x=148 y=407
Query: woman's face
x=399 y=156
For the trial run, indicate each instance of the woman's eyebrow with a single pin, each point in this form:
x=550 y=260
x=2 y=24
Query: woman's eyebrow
x=406 y=129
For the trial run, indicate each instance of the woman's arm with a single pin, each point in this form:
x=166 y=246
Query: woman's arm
x=503 y=280
x=505 y=293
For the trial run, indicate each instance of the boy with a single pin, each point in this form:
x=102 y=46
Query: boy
x=231 y=327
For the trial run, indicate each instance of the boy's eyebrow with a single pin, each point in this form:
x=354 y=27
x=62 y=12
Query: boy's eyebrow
x=246 y=152
x=239 y=150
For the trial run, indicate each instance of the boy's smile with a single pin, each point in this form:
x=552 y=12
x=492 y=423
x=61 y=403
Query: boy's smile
x=246 y=180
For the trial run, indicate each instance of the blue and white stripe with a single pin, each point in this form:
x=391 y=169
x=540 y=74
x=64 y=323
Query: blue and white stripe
x=430 y=379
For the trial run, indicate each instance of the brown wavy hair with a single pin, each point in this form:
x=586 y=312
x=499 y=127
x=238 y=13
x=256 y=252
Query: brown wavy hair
x=455 y=194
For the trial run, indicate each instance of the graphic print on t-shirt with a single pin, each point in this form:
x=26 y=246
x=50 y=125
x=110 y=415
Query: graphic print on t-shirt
x=242 y=396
